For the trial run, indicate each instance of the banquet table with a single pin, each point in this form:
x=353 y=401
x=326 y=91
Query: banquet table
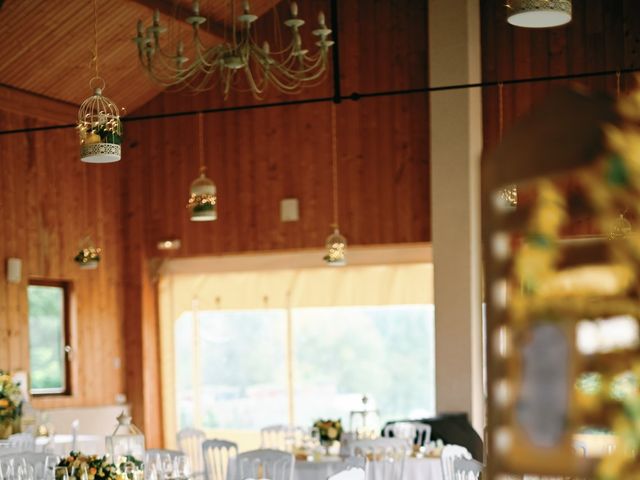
x=414 y=469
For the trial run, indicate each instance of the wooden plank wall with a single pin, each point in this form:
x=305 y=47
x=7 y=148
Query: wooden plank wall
x=259 y=157
x=49 y=201
x=603 y=35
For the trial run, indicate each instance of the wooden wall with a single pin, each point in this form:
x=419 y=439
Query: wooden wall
x=258 y=157
x=604 y=35
x=49 y=201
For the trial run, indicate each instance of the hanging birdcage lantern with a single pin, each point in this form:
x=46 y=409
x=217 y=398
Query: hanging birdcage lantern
x=88 y=257
x=100 y=129
x=336 y=249
x=202 y=201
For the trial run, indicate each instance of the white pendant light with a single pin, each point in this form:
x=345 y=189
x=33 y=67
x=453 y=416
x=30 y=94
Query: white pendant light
x=203 y=193
x=539 y=13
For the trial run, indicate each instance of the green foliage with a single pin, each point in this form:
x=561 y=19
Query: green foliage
x=46 y=336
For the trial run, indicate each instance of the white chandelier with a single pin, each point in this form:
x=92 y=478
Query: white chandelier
x=539 y=13
x=240 y=62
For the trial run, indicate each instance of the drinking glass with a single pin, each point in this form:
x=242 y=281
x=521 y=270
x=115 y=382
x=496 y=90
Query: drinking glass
x=182 y=467
x=61 y=473
x=167 y=467
x=151 y=472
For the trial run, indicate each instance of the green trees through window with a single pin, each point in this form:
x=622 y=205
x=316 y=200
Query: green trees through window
x=232 y=367
x=47 y=325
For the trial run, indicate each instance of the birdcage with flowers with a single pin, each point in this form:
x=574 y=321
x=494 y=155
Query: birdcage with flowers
x=99 y=127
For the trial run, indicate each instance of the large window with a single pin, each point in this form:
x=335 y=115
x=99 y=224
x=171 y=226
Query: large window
x=233 y=367
x=245 y=349
x=48 y=336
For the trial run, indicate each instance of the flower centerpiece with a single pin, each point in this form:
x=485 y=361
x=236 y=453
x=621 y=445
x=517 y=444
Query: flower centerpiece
x=98 y=468
x=329 y=430
x=10 y=404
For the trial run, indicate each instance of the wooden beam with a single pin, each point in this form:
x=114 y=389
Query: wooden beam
x=22 y=102
x=210 y=31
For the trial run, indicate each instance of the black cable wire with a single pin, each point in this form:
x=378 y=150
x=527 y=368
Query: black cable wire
x=355 y=96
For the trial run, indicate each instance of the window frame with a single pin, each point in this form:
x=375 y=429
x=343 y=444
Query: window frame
x=66 y=287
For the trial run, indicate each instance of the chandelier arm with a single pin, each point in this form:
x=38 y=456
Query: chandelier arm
x=310 y=73
x=254 y=87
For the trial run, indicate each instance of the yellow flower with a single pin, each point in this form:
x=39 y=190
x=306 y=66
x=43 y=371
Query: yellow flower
x=4 y=403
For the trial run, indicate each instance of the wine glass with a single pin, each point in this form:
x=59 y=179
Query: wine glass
x=167 y=466
x=151 y=472
x=182 y=467
x=84 y=473
x=62 y=473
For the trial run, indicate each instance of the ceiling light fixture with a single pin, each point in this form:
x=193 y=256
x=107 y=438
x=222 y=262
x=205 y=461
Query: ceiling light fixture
x=336 y=243
x=99 y=125
x=288 y=68
x=539 y=13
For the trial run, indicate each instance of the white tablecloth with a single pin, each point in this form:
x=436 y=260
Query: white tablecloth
x=414 y=469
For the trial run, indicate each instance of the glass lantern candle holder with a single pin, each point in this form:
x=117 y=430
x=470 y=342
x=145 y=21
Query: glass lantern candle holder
x=127 y=441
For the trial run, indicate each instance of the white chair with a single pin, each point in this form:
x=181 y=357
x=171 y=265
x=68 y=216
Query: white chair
x=466 y=469
x=355 y=469
x=281 y=437
x=418 y=433
x=190 y=442
x=218 y=455
x=448 y=456
x=23 y=442
x=386 y=456
x=264 y=463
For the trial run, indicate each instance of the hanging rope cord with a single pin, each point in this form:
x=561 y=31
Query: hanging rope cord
x=203 y=167
x=500 y=112
x=334 y=164
x=94 y=60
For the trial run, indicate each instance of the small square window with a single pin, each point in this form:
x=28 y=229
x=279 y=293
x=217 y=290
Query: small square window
x=49 y=337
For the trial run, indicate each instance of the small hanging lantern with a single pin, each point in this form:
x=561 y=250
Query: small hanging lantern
x=100 y=129
x=202 y=201
x=336 y=249
x=99 y=125
x=88 y=257
x=336 y=243
x=127 y=440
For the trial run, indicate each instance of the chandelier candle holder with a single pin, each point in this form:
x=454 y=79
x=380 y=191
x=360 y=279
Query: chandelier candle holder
x=88 y=258
x=539 y=13
x=100 y=129
x=203 y=199
x=288 y=68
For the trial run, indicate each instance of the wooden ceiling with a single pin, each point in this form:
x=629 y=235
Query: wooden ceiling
x=46 y=46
